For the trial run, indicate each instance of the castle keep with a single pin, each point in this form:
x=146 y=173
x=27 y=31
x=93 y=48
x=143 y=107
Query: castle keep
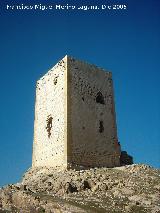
x=75 y=120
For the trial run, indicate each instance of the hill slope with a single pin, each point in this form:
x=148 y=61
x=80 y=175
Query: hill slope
x=133 y=188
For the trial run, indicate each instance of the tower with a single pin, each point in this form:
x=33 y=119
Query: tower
x=75 y=121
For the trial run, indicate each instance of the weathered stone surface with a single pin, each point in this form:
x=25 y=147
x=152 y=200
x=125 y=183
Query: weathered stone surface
x=132 y=188
x=75 y=122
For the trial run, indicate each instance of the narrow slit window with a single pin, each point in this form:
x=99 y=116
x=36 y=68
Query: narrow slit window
x=101 y=127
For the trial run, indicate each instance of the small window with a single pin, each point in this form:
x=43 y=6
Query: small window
x=100 y=98
x=101 y=127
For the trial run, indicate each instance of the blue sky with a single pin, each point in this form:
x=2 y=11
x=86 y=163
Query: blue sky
x=125 y=42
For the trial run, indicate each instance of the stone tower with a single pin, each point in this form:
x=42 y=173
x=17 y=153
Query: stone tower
x=75 y=120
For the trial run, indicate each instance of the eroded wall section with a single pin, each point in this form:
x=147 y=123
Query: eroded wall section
x=49 y=125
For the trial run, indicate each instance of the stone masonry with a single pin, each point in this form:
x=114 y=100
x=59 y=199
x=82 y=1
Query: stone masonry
x=75 y=121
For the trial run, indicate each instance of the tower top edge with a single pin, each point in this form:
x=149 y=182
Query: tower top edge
x=72 y=58
x=69 y=58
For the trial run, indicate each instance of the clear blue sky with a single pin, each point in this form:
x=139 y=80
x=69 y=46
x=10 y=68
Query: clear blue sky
x=127 y=42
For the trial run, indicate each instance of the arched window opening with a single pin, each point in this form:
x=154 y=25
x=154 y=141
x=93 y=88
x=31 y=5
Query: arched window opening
x=100 y=98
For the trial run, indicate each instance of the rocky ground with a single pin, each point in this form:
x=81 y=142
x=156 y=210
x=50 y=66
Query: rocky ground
x=133 y=188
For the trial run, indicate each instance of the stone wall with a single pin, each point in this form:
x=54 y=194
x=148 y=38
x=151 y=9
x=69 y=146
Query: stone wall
x=49 y=125
x=91 y=116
